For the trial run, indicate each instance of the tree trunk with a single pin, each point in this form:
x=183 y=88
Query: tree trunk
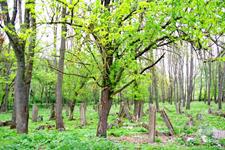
x=138 y=109
x=181 y=84
x=152 y=123
x=71 y=105
x=220 y=85
x=21 y=98
x=13 y=125
x=150 y=90
x=200 y=89
x=59 y=96
x=83 y=108
x=4 y=104
x=155 y=85
x=124 y=110
x=215 y=82
x=106 y=103
x=187 y=80
x=163 y=82
x=206 y=83
x=190 y=86
x=22 y=83
x=52 y=113
x=170 y=90
x=209 y=83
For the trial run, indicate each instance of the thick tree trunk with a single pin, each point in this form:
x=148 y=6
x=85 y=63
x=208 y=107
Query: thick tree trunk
x=22 y=109
x=59 y=95
x=83 y=120
x=106 y=103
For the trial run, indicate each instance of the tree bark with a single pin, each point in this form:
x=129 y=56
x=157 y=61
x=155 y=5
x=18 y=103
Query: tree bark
x=209 y=83
x=138 y=109
x=13 y=125
x=59 y=95
x=190 y=85
x=83 y=120
x=4 y=104
x=220 y=86
x=152 y=123
x=200 y=89
x=163 y=82
x=106 y=103
x=22 y=109
x=71 y=105
x=124 y=110
x=52 y=113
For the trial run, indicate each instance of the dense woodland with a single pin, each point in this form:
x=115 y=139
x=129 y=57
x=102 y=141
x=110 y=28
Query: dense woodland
x=106 y=64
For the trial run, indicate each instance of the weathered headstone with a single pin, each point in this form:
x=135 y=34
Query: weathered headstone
x=35 y=113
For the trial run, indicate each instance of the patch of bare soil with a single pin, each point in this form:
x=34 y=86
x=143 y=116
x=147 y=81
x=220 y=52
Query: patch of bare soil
x=140 y=138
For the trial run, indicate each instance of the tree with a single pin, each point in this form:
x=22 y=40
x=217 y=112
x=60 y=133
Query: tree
x=59 y=93
x=118 y=39
x=18 y=42
x=190 y=85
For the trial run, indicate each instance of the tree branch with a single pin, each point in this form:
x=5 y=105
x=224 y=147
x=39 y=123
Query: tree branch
x=152 y=65
x=146 y=68
x=74 y=74
x=14 y=12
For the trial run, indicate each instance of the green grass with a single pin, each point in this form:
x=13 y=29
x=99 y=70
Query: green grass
x=77 y=137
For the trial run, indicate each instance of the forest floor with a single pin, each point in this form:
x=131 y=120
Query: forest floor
x=131 y=135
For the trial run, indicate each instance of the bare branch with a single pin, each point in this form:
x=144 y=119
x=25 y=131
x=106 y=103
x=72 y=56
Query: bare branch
x=152 y=65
